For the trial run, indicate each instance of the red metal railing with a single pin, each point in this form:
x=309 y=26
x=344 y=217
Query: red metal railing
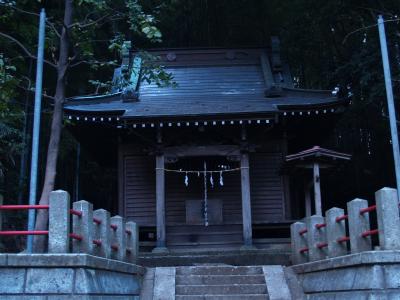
x=46 y=232
x=370 y=232
x=303 y=231
x=343 y=239
x=75 y=212
x=97 y=221
x=23 y=207
x=23 y=232
x=367 y=209
x=302 y=250
x=341 y=218
x=322 y=245
x=76 y=236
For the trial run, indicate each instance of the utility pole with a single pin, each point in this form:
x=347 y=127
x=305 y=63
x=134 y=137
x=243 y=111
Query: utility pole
x=390 y=101
x=36 y=129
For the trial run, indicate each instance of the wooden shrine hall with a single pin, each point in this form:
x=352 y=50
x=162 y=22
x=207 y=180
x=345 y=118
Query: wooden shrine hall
x=199 y=163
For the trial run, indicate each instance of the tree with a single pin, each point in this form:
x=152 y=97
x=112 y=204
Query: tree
x=10 y=116
x=74 y=40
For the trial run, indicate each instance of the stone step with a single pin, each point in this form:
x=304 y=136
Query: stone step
x=223 y=297
x=218 y=270
x=219 y=279
x=235 y=289
x=208 y=256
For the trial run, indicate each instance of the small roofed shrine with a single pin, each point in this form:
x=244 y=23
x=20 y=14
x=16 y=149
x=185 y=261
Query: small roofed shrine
x=199 y=164
x=315 y=159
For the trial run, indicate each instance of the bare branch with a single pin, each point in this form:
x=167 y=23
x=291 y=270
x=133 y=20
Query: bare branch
x=32 y=91
x=366 y=27
x=30 y=55
x=50 y=24
x=90 y=62
x=83 y=25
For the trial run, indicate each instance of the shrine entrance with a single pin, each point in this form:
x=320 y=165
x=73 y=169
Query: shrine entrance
x=206 y=198
x=199 y=187
x=203 y=203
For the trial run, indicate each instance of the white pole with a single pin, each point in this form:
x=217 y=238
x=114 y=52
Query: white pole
x=36 y=129
x=389 y=95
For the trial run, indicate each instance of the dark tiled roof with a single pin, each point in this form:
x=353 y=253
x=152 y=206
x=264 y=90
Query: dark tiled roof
x=210 y=84
x=317 y=153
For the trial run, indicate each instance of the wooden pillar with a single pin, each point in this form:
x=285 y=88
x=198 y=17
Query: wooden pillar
x=307 y=198
x=317 y=190
x=246 y=204
x=160 y=203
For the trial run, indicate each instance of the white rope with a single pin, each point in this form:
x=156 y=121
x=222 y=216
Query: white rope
x=198 y=172
x=205 y=196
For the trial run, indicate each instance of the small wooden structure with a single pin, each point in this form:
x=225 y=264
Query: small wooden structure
x=201 y=162
x=315 y=158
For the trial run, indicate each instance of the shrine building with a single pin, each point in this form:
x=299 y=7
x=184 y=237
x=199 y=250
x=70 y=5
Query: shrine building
x=199 y=163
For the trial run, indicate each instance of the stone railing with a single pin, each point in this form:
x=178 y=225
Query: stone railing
x=320 y=237
x=82 y=230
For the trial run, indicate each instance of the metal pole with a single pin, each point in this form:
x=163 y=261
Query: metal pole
x=389 y=95
x=36 y=128
x=77 y=170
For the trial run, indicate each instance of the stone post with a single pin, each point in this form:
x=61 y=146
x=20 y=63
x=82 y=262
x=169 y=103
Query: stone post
x=101 y=232
x=132 y=242
x=358 y=223
x=387 y=212
x=334 y=231
x=59 y=222
x=298 y=242
x=314 y=237
x=118 y=240
x=83 y=226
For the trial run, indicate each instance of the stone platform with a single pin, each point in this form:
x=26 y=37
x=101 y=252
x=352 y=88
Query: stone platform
x=67 y=276
x=366 y=275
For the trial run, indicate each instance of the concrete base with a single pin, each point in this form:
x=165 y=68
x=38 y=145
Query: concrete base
x=235 y=258
x=366 y=275
x=67 y=276
x=160 y=250
x=247 y=248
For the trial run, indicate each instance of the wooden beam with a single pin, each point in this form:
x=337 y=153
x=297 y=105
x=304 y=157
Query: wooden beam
x=160 y=204
x=209 y=150
x=317 y=190
x=246 y=204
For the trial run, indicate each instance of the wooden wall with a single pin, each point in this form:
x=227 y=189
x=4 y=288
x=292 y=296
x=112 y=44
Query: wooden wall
x=138 y=190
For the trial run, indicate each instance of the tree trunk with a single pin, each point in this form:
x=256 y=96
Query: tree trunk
x=56 y=126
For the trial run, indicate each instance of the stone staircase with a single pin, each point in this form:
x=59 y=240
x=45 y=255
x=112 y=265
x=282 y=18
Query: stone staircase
x=220 y=282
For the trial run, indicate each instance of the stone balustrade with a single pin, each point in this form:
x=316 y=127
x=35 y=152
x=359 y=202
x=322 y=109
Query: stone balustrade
x=318 y=237
x=91 y=232
x=82 y=230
